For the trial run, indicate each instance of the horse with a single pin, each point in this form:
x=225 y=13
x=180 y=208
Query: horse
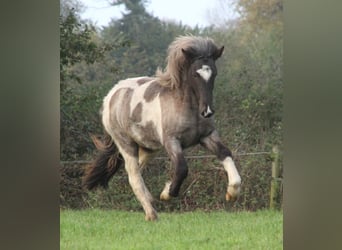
x=172 y=110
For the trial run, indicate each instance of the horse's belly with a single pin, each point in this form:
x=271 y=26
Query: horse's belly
x=146 y=136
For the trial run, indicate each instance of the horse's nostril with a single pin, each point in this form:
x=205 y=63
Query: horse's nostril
x=207 y=115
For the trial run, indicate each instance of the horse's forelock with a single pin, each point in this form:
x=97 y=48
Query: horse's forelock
x=176 y=60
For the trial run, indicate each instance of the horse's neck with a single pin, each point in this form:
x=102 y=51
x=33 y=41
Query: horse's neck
x=188 y=96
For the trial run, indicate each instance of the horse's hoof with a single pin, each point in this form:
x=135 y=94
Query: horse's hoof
x=232 y=192
x=229 y=197
x=151 y=217
x=165 y=196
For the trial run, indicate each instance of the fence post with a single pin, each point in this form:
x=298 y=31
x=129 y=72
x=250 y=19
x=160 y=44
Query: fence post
x=275 y=182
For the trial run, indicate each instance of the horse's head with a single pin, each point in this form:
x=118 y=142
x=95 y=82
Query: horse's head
x=201 y=76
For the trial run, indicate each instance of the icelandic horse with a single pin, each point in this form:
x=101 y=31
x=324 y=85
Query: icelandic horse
x=173 y=110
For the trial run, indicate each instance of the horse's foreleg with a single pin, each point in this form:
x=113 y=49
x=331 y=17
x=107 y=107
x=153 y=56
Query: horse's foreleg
x=213 y=143
x=174 y=150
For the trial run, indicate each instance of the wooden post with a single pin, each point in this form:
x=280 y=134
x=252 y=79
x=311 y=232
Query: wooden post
x=275 y=182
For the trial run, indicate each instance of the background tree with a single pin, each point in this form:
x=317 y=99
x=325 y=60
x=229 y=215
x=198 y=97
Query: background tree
x=76 y=42
x=79 y=43
x=148 y=36
x=250 y=80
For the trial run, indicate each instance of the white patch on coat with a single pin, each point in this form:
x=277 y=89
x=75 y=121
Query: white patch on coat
x=130 y=83
x=107 y=111
x=205 y=72
x=151 y=111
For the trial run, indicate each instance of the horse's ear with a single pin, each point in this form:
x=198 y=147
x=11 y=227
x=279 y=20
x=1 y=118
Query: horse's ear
x=218 y=53
x=189 y=53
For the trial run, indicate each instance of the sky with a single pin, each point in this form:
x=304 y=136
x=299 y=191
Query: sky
x=189 y=12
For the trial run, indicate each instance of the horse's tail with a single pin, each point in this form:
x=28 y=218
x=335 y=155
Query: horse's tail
x=105 y=165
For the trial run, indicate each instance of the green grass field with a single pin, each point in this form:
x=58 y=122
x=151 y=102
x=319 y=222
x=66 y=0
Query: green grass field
x=100 y=229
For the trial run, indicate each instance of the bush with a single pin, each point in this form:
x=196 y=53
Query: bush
x=203 y=189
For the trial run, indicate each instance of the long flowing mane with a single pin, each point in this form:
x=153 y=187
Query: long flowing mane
x=176 y=62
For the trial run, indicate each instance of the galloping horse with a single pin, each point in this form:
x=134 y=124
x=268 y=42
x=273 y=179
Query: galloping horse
x=172 y=111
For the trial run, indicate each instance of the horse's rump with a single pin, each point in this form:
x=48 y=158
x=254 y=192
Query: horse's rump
x=132 y=109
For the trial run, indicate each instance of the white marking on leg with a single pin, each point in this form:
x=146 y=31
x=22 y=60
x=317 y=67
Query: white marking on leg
x=234 y=178
x=205 y=72
x=165 y=193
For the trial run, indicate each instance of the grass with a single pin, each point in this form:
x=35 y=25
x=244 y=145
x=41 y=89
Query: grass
x=101 y=229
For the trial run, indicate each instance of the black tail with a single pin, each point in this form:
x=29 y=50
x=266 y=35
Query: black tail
x=105 y=165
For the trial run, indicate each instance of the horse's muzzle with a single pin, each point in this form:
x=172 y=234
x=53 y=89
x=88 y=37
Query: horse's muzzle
x=207 y=112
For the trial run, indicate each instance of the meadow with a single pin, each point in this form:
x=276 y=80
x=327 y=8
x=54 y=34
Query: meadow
x=113 y=229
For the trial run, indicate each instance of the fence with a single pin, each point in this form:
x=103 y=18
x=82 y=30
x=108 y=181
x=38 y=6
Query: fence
x=256 y=185
x=166 y=158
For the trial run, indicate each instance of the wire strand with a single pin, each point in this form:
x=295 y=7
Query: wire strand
x=166 y=158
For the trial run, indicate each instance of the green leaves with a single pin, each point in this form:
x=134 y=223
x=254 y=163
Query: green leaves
x=78 y=44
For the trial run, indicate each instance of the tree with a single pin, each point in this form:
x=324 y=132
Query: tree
x=149 y=38
x=250 y=82
x=261 y=13
x=79 y=43
x=77 y=40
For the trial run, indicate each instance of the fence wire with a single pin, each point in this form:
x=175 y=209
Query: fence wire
x=167 y=158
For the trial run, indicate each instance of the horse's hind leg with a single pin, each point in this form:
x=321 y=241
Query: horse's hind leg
x=213 y=143
x=145 y=156
x=136 y=181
